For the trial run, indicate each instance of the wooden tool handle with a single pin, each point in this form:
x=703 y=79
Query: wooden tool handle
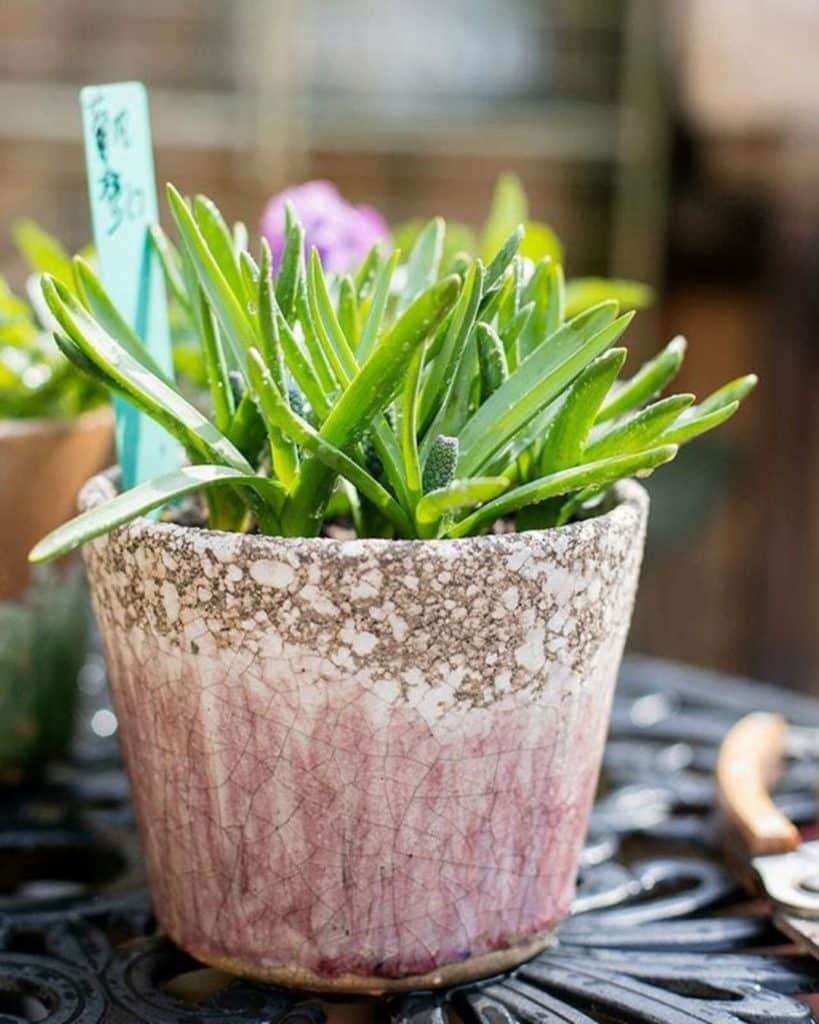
x=750 y=761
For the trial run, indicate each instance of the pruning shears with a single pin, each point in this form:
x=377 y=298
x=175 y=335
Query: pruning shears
x=749 y=763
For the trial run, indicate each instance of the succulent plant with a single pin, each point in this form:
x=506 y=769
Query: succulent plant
x=36 y=381
x=411 y=401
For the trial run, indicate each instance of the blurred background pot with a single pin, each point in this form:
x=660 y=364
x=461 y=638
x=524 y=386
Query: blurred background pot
x=43 y=620
x=364 y=765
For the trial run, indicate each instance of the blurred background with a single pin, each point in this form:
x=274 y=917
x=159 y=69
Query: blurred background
x=675 y=142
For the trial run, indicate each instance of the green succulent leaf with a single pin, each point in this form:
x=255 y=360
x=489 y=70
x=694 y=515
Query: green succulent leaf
x=417 y=405
x=688 y=429
x=440 y=381
x=457 y=495
x=591 y=474
x=539 y=241
x=735 y=391
x=367 y=272
x=288 y=279
x=348 y=313
x=146 y=391
x=503 y=258
x=424 y=261
x=171 y=265
x=368 y=395
x=375 y=315
x=583 y=292
x=537 y=381
x=647 y=383
x=491 y=358
x=509 y=209
x=144 y=498
x=282 y=418
x=639 y=431
x=574 y=418
x=109 y=318
x=219 y=240
x=214 y=278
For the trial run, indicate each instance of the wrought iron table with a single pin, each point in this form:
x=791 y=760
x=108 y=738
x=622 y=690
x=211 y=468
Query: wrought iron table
x=660 y=933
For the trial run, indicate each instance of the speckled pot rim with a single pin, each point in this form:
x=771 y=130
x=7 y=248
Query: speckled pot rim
x=26 y=426
x=632 y=503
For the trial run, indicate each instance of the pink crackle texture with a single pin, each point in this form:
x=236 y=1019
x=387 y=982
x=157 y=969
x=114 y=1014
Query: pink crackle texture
x=363 y=758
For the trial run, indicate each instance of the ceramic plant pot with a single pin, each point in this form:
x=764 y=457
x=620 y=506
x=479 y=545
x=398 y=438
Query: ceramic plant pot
x=43 y=464
x=364 y=765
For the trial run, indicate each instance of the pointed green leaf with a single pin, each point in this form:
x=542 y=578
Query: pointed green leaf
x=348 y=312
x=313 y=341
x=221 y=393
x=574 y=419
x=219 y=240
x=440 y=380
x=366 y=274
x=334 y=342
x=492 y=360
x=151 y=394
x=583 y=292
x=375 y=315
x=169 y=261
x=283 y=451
x=638 y=431
x=279 y=416
x=512 y=332
x=239 y=238
x=407 y=410
x=458 y=494
x=539 y=240
x=108 y=316
x=142 y=499
x=423 y=263
x=734 y=391
x=368 y=394
x=687 y=429
x=648 y=382
x=249 y=272
x=508 y=210
x=537 y=381
x=301 y=368
x=238 y=330
x=591 y=474
x=504 y=257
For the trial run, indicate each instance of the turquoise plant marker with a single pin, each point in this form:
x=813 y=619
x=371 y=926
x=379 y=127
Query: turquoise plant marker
x=122 y=189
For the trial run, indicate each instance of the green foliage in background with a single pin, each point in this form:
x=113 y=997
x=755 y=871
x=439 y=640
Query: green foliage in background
x=416 y=398
x=509 y=208
x=35 y=378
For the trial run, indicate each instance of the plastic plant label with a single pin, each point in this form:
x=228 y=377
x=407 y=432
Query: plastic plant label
x=122 y=192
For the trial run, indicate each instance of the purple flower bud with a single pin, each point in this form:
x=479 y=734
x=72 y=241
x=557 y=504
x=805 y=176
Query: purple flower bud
x=343 y=234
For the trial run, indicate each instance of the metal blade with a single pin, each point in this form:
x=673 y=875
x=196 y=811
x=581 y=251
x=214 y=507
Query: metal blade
x=791 y=880
x=805 y=933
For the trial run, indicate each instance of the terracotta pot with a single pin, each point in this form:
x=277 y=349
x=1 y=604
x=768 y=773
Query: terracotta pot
x=364 y=765
x=43 y=464
x=43 y=622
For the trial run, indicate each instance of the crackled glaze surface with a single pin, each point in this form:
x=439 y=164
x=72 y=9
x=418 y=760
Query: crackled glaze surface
x=367 y=758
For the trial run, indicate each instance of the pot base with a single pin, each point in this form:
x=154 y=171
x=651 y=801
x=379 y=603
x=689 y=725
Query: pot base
x=457 y=973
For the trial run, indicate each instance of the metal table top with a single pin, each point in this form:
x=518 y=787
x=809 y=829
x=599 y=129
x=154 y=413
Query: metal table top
x=660 y=932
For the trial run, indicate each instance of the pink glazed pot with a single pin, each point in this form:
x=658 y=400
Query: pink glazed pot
x=367 y=765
